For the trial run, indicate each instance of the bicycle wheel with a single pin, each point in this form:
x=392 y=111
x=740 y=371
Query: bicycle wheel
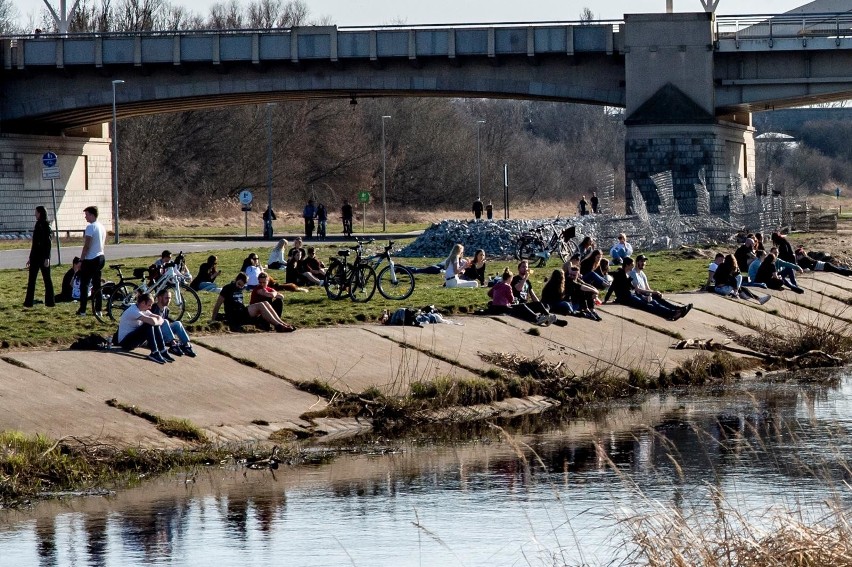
x=567 y=249
x=122 y=297
x=189 y=306
x=525 y=249
x=336 y=281
x=399 y=289
x=362 y=284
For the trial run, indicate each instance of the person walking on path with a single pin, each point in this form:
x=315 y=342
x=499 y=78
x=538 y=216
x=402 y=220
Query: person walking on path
x=583 y=210
x=322 y=218
x=268 y=217
x=489 y=211
x=94 y=241
x=477 y=209
x=346 y=213
x=40 y=259
x=595 y=202
x=309 y=214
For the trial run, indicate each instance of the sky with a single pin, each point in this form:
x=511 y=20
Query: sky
x=377 y=12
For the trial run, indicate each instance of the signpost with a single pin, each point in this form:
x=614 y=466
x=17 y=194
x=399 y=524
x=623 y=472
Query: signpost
x=50 y=171
x=364 y=198
x=245 y=200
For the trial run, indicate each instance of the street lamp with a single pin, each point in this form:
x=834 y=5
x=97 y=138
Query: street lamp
x=115 y=162
x=269 y=106
x=384 y=204
x=478 y=162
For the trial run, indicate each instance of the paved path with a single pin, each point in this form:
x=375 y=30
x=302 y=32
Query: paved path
x=243 y=387
x=17 y=258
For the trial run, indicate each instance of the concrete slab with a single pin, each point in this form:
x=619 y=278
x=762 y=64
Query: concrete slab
x=746 y=313
x=37 y=404
x=348 y=358
x=482 y=335
x=824 y=285
x=212 y=391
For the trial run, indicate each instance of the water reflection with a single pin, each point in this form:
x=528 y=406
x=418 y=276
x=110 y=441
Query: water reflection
x=549 y=495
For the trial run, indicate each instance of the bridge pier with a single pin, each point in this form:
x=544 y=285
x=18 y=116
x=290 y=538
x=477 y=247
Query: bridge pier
x=671 y=121
x=85 y=178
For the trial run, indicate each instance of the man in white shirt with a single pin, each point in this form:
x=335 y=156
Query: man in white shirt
x=644 y=291
x=138 y=325
x=94 y=239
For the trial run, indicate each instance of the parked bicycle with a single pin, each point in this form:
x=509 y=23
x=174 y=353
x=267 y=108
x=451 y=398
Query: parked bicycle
x=356 y=279
x=186 y=302
x=540 y=243
x=393 y=281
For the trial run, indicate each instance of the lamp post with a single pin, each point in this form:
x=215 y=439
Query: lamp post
x=384 y=204
x=269 y=161
x=115 y=162
x=479 y=123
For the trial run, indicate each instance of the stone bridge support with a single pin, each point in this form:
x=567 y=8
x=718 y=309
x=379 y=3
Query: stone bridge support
x=86 y=179
x=670 y=108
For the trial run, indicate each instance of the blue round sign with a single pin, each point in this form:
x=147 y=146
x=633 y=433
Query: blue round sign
x=49 y=159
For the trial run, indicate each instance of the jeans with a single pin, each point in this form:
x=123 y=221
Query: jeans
x=144 y=333
x=659 y=307
x=209 y=286
x=174 y=329
x=35 y=268
x=91 y=272
x=595 y=280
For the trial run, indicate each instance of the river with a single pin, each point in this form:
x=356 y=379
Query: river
x=541 y=490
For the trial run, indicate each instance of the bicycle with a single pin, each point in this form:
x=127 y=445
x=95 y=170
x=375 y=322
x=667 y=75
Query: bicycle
x=393 y=282
x=544 y=240
x=124 y=294
x=357 y=280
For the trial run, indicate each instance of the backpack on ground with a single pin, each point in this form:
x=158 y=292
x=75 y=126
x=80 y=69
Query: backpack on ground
x=92 y=341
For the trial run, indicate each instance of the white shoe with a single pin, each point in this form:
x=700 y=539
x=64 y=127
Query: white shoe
x=551 y=319
x=542 y=320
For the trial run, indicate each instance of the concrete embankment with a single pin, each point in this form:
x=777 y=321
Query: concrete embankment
x=242 y=387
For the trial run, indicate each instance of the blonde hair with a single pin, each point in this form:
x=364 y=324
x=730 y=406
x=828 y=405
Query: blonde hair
x=453 y=258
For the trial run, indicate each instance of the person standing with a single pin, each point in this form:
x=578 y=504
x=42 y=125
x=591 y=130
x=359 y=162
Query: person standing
x=477 y=209
x=346 y=213
x=40 y=259
x=583 y=206
x=94 y=240
x=489 y=211
x=595 y=202
x=268 y=217
x=309 y=214
x=322 y=218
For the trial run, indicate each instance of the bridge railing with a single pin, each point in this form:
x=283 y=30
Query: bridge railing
x=784 y=26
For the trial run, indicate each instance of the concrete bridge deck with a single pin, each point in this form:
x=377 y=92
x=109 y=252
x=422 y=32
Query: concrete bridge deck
x=241 y=387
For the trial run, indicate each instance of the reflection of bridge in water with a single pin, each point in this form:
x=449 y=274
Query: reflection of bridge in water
x=688 y=82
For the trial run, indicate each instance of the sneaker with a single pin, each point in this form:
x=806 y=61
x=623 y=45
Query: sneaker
x=83 y=314
x=164 y=354
x=551 y=318
x=155 y=357
x=542 y=320
x=187 y=350
x=798 y=290
x=687 y=309
x=98 y=314
x=595 y=316
x=175 y=350
x=285 y=328
x=764 y=299
x=560 y=323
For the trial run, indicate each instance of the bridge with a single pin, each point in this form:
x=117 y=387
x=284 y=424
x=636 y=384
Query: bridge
x=689 y=82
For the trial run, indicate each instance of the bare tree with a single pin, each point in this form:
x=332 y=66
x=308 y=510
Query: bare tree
x=587 y=16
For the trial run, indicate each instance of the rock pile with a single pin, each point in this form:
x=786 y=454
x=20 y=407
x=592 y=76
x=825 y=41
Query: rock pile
x=498 y=237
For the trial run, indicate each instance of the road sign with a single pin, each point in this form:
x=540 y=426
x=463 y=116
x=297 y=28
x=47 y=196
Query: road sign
x=363 y=196
x=48 y=160
x=246 y=197
x=50 y=172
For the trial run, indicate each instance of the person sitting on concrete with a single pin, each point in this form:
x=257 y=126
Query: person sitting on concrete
x=589 y=270
x=587 y=246
x=785 y=249
x=475 y=271
x=174 y=334
x=581 y=295
x=745 y=255
x=711 y=271
x=643 y=290
x=621 y=249
x=207 y=274
x=264 y=292
x=138 y=326
x=553 y=294
x=237 y=314
x=804 y=260
x=768 y=273
x=503 y=302
x=603 y=271
x=728 y=282
x=454 y=267
x=278 y=256
x=625 y=294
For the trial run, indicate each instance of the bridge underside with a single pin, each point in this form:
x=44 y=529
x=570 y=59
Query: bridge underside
x=73 y=100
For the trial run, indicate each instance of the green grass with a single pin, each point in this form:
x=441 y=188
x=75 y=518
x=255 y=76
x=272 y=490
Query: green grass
x=41 y=326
